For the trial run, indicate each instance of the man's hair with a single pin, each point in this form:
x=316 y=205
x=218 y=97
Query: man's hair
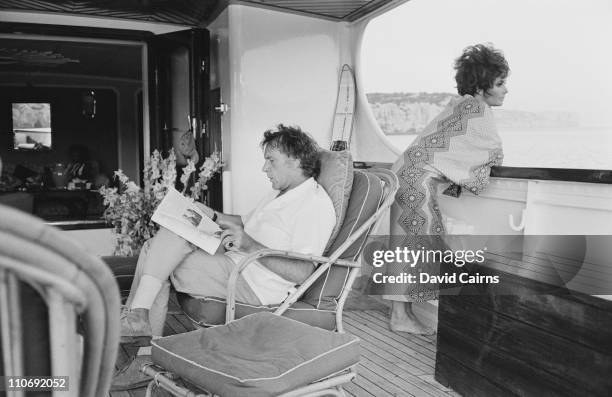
x=297 y=144
x=478 y=67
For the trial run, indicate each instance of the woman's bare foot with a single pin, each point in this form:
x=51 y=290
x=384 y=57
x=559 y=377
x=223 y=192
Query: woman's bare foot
x=404 y=320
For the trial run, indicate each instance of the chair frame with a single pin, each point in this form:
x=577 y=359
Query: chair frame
x=72 y=283
x=332 y=384
x=61 y=297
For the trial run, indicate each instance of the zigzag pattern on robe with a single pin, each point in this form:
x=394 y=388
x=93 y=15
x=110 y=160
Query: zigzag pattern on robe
x=460 y=146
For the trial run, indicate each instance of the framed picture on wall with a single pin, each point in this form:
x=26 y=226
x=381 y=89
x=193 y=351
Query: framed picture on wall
x=31 y=125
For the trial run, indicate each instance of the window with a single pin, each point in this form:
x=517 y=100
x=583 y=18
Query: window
x=556 y=113
x=31 y=126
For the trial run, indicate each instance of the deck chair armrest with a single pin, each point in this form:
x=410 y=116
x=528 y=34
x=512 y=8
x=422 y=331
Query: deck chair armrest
x=325 y=263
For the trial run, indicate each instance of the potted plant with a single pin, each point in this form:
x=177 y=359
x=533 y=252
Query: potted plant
x=129 y=207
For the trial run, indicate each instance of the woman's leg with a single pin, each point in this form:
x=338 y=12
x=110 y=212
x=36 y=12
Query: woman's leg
x=403 y=318
x=414 y=217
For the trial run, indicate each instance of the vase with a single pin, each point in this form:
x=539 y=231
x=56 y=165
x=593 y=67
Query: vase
x=59 y=175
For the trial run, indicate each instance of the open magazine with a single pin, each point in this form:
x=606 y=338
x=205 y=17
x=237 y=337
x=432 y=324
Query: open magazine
x=180 y=215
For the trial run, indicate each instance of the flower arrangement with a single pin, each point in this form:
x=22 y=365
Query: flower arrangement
x=129 y=207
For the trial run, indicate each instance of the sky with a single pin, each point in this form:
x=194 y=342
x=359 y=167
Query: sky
x=559 y=51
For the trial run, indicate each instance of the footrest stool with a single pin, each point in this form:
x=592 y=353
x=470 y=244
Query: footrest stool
x=259 y=355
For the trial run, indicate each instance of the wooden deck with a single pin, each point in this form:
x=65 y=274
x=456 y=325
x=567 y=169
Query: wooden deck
x=391 y=364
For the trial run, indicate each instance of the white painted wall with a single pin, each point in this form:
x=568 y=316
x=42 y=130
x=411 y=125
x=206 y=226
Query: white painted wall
x=283 y=68
x=273 y=67
x=369 y=143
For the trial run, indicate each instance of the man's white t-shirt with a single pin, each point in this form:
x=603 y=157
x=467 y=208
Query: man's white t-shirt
x=301 y=220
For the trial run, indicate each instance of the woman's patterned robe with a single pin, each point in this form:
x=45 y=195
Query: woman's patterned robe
x=459 y=146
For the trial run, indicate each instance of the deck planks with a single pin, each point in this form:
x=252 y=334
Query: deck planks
x=393 y=356
x=378 y=327
x=391 y=364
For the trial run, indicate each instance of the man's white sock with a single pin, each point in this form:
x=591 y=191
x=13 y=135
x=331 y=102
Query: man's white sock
x=146 y=292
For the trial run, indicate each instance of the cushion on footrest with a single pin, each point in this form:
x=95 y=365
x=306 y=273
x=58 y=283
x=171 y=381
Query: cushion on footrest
x=258 y=355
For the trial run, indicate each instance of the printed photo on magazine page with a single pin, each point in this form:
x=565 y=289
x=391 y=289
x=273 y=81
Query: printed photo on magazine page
x=182 y=216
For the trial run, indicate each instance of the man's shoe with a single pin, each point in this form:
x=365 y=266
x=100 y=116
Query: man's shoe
x=135 y=327
x=129 y=377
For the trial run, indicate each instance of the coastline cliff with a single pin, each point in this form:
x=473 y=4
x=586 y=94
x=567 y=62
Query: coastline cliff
x=408 y=113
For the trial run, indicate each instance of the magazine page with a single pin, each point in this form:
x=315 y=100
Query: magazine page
x=180 y=215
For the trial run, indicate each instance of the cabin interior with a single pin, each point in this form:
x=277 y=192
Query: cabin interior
x=121 y=76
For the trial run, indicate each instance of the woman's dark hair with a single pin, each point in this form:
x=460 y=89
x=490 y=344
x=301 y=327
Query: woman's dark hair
x=478 y=67
x=297 y=144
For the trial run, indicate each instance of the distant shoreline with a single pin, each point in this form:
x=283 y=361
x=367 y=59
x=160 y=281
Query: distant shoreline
x=407 y=113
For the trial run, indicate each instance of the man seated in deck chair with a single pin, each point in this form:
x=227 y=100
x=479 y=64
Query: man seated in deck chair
x=297 y=216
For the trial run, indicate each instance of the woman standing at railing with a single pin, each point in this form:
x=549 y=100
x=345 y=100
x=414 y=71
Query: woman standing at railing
x=458 y=147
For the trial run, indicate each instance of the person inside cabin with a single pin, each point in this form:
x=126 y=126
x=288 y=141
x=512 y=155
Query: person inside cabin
x=297 y=215
x=77 y=167
x=81 y=169
x=98 y=178
x=455 y=150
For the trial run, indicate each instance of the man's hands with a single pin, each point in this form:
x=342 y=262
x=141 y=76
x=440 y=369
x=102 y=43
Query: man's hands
x=221 y=217
x=234 y=238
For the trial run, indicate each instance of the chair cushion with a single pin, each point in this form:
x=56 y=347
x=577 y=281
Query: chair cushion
x=366 y=197
x=258 y=355
x=336 y=177
x=210 y=311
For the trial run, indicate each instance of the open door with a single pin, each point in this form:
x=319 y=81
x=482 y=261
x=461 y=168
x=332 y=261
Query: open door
x=214 y=142
x=179 y=87
x=179 y=95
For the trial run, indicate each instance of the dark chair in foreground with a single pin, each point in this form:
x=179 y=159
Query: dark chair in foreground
x=49 y=290
x=237 y=359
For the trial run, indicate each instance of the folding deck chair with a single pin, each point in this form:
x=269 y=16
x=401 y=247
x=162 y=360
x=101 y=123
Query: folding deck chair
x=237 y=359
x=48 y=287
